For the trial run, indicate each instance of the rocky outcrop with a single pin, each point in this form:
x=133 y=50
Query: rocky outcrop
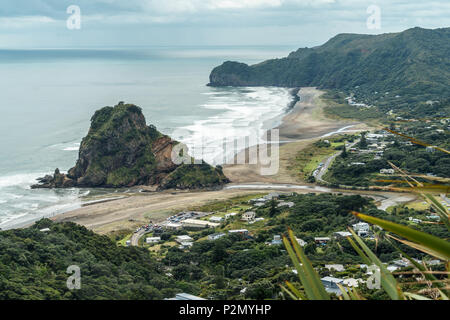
x=120 y=150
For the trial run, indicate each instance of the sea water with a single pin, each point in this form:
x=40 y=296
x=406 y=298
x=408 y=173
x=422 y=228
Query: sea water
x=49 y=95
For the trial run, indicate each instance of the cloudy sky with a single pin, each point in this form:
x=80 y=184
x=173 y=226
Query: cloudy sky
x=113 y=23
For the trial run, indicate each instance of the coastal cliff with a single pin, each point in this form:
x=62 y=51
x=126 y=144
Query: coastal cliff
x=120 y=150
x=408 y=66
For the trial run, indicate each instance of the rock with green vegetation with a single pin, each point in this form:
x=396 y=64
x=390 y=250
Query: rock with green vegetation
x=411 y=65
x=120 y=150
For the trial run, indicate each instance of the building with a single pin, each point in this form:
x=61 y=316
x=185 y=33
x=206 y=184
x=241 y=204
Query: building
x=301 y=242
x=321 y=240
x=342 y=234
x=173 y=226
x=185 y=245
x=362 y=229
x=128 y=243
x=286 y=204
x=200 y=224
x=230 y=215
x=215 y=236
x=387 y=171
x=184 y=238
x=153 y=240
x=44 y=230
x=336 y=267
x=351 y=282
x=248 y=216
x=239 y=231
x=216 y=219
x=185 y=296
x=331 y=284
x=271 y=196
x=276 y=240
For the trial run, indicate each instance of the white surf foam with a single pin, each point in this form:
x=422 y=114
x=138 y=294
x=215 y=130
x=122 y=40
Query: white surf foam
x=246 y=112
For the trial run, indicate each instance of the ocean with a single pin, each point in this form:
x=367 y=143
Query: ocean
x=49 y=95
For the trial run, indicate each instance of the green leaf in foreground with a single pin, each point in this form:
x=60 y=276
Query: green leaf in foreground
x=433 y=243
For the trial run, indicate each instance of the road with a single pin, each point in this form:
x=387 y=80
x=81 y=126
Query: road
x=136 y=236
x=329 y=160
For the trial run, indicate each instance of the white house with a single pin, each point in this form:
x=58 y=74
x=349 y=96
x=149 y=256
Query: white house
x=286 y=204
x=301 y=242
x=215 y=236
x=248 y=216
x=230 y=215
x=173 y=226
x=342 y=234
x=153 y=239
x=336 y=267
x=216 y=219
x=362 y=229
x=184 y=238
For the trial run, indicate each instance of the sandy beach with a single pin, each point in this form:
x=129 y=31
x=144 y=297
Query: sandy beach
x=304 y=123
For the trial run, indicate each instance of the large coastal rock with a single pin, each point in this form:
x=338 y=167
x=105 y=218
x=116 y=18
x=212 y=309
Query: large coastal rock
x=120 y=150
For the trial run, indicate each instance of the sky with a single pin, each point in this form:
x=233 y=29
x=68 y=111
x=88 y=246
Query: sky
x=135 y=23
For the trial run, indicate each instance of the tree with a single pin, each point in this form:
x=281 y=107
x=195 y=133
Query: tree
x=344 y=153
x=273 y=210
x=363 y=141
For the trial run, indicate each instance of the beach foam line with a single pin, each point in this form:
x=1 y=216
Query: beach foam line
x=21 y=179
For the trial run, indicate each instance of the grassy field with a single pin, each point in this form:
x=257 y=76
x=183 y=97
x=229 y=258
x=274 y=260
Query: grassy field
x=308 y=160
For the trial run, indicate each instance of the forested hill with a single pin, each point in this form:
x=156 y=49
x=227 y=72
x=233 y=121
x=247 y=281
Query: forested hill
x=33 y=266
x=414 y=63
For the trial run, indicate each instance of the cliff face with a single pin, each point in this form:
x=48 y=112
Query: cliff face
x=120 y=150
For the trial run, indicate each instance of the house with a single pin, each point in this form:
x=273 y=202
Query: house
x=301 y=242
x=230 y=215
x=153 y=240
x=200 y=224
x=351 y=282
x=342 y=234
x=185 y=245
x=45 y=230
x=357 y=164
x=184 y=238
x=286 y=204
x=128 y=243
x=216 y=219
x=248 y=216
x=215 y=236
x=321 y=240
x=336 y=267
x=387 y=171
x=271 y=196
x=362 y=229
x=331 y=284
x=185 y=296
x=414 y=220
x=239 y=231
x=401 y=263
x=276 y=240
x=173 y=226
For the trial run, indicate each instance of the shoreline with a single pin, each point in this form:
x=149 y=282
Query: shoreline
x=304 y=120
